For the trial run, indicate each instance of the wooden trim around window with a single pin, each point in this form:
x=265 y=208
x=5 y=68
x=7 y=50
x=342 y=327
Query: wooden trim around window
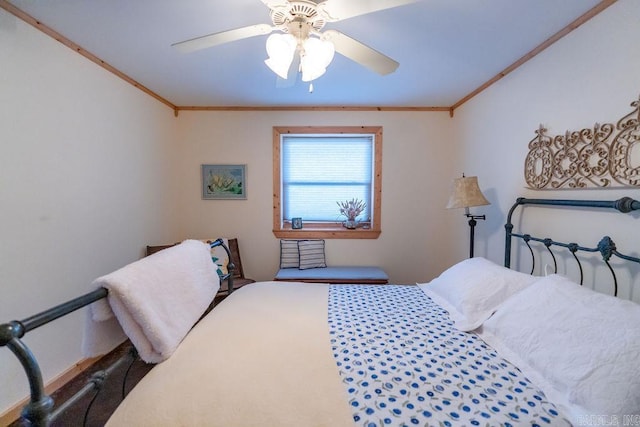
x=326 y=230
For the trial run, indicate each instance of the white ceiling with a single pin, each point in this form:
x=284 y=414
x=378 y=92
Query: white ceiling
x=446 y=48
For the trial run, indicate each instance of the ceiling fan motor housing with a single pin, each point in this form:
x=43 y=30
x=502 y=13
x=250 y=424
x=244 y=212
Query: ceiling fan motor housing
x=302 y=13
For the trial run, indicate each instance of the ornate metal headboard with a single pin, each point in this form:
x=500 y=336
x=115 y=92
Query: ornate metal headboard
x=606 y=246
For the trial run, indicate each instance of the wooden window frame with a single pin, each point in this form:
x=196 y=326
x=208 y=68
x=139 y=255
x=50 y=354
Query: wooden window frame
x=326 y=230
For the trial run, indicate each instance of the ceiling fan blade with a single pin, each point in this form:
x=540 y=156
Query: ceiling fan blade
x=337 y=10
x=272 y=4
x=361 y=53
x=215 y=39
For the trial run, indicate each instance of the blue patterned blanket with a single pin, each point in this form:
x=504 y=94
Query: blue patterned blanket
x=403 y=363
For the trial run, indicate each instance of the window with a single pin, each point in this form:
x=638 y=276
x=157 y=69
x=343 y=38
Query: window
x=315 y=167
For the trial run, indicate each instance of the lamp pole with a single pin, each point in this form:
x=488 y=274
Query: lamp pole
x=472 y=226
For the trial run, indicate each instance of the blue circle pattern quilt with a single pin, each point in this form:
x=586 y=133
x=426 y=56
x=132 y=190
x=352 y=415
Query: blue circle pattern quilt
x=404 y=364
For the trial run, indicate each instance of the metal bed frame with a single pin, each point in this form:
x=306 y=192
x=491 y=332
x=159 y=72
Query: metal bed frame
x=40 y=409
x=605 y=246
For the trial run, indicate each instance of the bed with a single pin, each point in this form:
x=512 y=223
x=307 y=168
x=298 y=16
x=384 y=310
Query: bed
x=480 y=344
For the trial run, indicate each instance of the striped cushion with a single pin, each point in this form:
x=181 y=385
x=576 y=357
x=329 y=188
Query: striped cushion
x=311 y=254
x=289 y=254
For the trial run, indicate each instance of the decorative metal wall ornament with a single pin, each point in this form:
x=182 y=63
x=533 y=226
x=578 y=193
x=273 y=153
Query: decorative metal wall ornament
x=605 y=156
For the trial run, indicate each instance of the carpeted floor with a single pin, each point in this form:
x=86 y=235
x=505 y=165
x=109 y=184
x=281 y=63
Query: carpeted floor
x=108 y=398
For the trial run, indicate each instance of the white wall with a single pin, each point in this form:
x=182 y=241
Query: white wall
x=85 y=182
x=590 y=76
x=416 y=171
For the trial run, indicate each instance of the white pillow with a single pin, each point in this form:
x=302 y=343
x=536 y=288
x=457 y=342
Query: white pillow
x=472 y=290
x=579 y=346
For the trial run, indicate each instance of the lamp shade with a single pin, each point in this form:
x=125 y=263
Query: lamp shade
x=318 y=54
x=280 y=48
x=466 y=193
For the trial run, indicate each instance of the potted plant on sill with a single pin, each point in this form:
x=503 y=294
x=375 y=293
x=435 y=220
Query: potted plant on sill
x=350 y=209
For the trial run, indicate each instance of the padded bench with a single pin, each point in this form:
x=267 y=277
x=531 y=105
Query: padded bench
x=334 y=275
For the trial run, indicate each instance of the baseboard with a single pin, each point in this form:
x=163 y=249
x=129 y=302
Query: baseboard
x=13 y=413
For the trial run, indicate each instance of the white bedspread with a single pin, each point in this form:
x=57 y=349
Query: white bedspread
x=213 y=378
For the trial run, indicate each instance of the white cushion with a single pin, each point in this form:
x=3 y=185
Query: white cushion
x=472 y=290
x=579 y=346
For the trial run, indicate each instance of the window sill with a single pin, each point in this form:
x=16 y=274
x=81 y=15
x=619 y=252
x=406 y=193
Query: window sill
x=325 y=231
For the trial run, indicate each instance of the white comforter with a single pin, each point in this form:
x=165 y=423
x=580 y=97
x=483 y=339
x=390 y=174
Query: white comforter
x=213 y=378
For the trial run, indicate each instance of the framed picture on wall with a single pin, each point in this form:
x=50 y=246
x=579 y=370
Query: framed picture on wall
x=224 y=182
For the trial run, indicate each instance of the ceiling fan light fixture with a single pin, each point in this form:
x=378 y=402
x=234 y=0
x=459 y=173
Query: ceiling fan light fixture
x=300 y=23
x=280 y=48
x=316 y=56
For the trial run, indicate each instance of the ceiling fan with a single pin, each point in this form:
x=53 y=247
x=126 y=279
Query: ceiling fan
x=296 y=27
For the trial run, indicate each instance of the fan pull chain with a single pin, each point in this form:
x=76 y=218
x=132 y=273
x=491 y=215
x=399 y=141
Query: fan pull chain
x=310 y=87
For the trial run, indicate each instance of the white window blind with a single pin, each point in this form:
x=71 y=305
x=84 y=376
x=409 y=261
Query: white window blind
x=320 y=170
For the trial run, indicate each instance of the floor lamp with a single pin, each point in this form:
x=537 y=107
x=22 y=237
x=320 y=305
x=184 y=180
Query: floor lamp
x=465 y=194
